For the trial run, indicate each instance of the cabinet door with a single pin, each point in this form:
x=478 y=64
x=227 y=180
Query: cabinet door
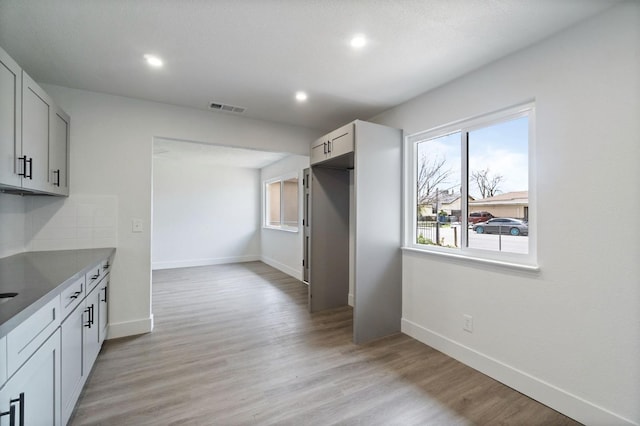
x=10 y=128
x=59 y=152
x=319 y=151
x=103 y=310
x=341 y=141
x=91 y=330
x=33 y=390
x=72 y=372
x=36 y=111
x=3 y=360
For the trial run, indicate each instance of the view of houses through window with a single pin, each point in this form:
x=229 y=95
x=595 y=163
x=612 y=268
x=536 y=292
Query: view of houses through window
x=472 y=186
x=281 y=203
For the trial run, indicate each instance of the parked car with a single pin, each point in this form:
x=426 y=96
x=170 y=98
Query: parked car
x=502 y=225
x=476 y=217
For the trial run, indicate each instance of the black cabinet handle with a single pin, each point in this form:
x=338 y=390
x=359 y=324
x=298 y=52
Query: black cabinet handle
x=24 y=166
x=30 y=161
x=19 y=400
x=24 y=173
x=96 y=275
x=12 y=415
x=324 y=147
x=105 y=294
x=57 y=182
x=106 y=266
x=89 y=322
x=329 y=143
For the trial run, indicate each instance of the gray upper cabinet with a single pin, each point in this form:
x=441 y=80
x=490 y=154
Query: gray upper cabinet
x=36 y=124
x=59 y=152
x=34 y=135
x=10 y=127
x=333 y=145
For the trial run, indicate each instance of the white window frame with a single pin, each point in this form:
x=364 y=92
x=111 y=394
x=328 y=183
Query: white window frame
x=265 y=203
x=515 y=260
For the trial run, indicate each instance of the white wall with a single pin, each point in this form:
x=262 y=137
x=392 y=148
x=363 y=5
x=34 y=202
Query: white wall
x=283 y=249
x=569 y=335
x=204 y=214
x=111 y=155
x=12 y=224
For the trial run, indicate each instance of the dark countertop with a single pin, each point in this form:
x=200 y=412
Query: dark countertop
x=38 y=277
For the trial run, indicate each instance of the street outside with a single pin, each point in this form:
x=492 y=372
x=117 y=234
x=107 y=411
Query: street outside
x=506 y=243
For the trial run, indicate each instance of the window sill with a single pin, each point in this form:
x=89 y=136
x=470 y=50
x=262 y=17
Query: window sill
x=472 y=259
x=282 y=228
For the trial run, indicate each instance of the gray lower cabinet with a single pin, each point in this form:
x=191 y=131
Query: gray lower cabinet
x=31 y=396
x=74 y=376
x=46 y=358
x=91 y=344
x=103 y=310
x=83 y=332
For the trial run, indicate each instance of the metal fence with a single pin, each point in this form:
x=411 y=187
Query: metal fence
x=449 y=235
x=428 y=232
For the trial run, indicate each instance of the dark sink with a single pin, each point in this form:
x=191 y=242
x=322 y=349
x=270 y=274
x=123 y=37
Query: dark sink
x=5 y=297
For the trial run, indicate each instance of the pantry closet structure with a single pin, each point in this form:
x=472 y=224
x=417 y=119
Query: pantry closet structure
x=356 y=226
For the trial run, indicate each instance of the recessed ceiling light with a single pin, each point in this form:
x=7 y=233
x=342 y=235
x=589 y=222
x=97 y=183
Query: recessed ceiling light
x=301 y=96
x=358 y=41
x=153 y=60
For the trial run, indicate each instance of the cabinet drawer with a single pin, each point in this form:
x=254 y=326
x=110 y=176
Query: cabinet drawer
x=3 y=360
x=93 y=277
x=26 y=338
x=71 y=296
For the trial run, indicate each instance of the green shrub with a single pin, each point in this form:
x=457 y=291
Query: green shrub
x=423 y=240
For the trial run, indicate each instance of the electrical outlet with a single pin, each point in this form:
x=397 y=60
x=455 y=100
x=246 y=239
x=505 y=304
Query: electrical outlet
x=136 y=225
x=468 y=323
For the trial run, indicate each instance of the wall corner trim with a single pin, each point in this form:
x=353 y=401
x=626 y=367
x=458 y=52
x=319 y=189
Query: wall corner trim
x=571 y=405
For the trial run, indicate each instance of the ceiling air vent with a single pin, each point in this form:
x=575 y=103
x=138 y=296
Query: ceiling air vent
x=226 y=108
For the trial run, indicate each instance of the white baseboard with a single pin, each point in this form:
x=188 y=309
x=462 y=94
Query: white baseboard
x=295 y=273
x=546 y=393
x=130 y=328
x=203 y=262
x=350 y=299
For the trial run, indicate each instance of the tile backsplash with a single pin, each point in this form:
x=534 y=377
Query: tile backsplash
x=76 y=222
x=12 y=224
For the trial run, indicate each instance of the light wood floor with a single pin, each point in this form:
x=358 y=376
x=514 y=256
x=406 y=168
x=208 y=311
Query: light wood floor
x=235 y=345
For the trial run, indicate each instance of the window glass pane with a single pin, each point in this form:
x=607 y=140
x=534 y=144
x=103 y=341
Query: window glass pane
x=290 y=202
x=498 y=187
x=438 y=208
x=273 y=204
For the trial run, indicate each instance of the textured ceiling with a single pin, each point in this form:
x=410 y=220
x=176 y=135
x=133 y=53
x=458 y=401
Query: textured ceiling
x=257 y=53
